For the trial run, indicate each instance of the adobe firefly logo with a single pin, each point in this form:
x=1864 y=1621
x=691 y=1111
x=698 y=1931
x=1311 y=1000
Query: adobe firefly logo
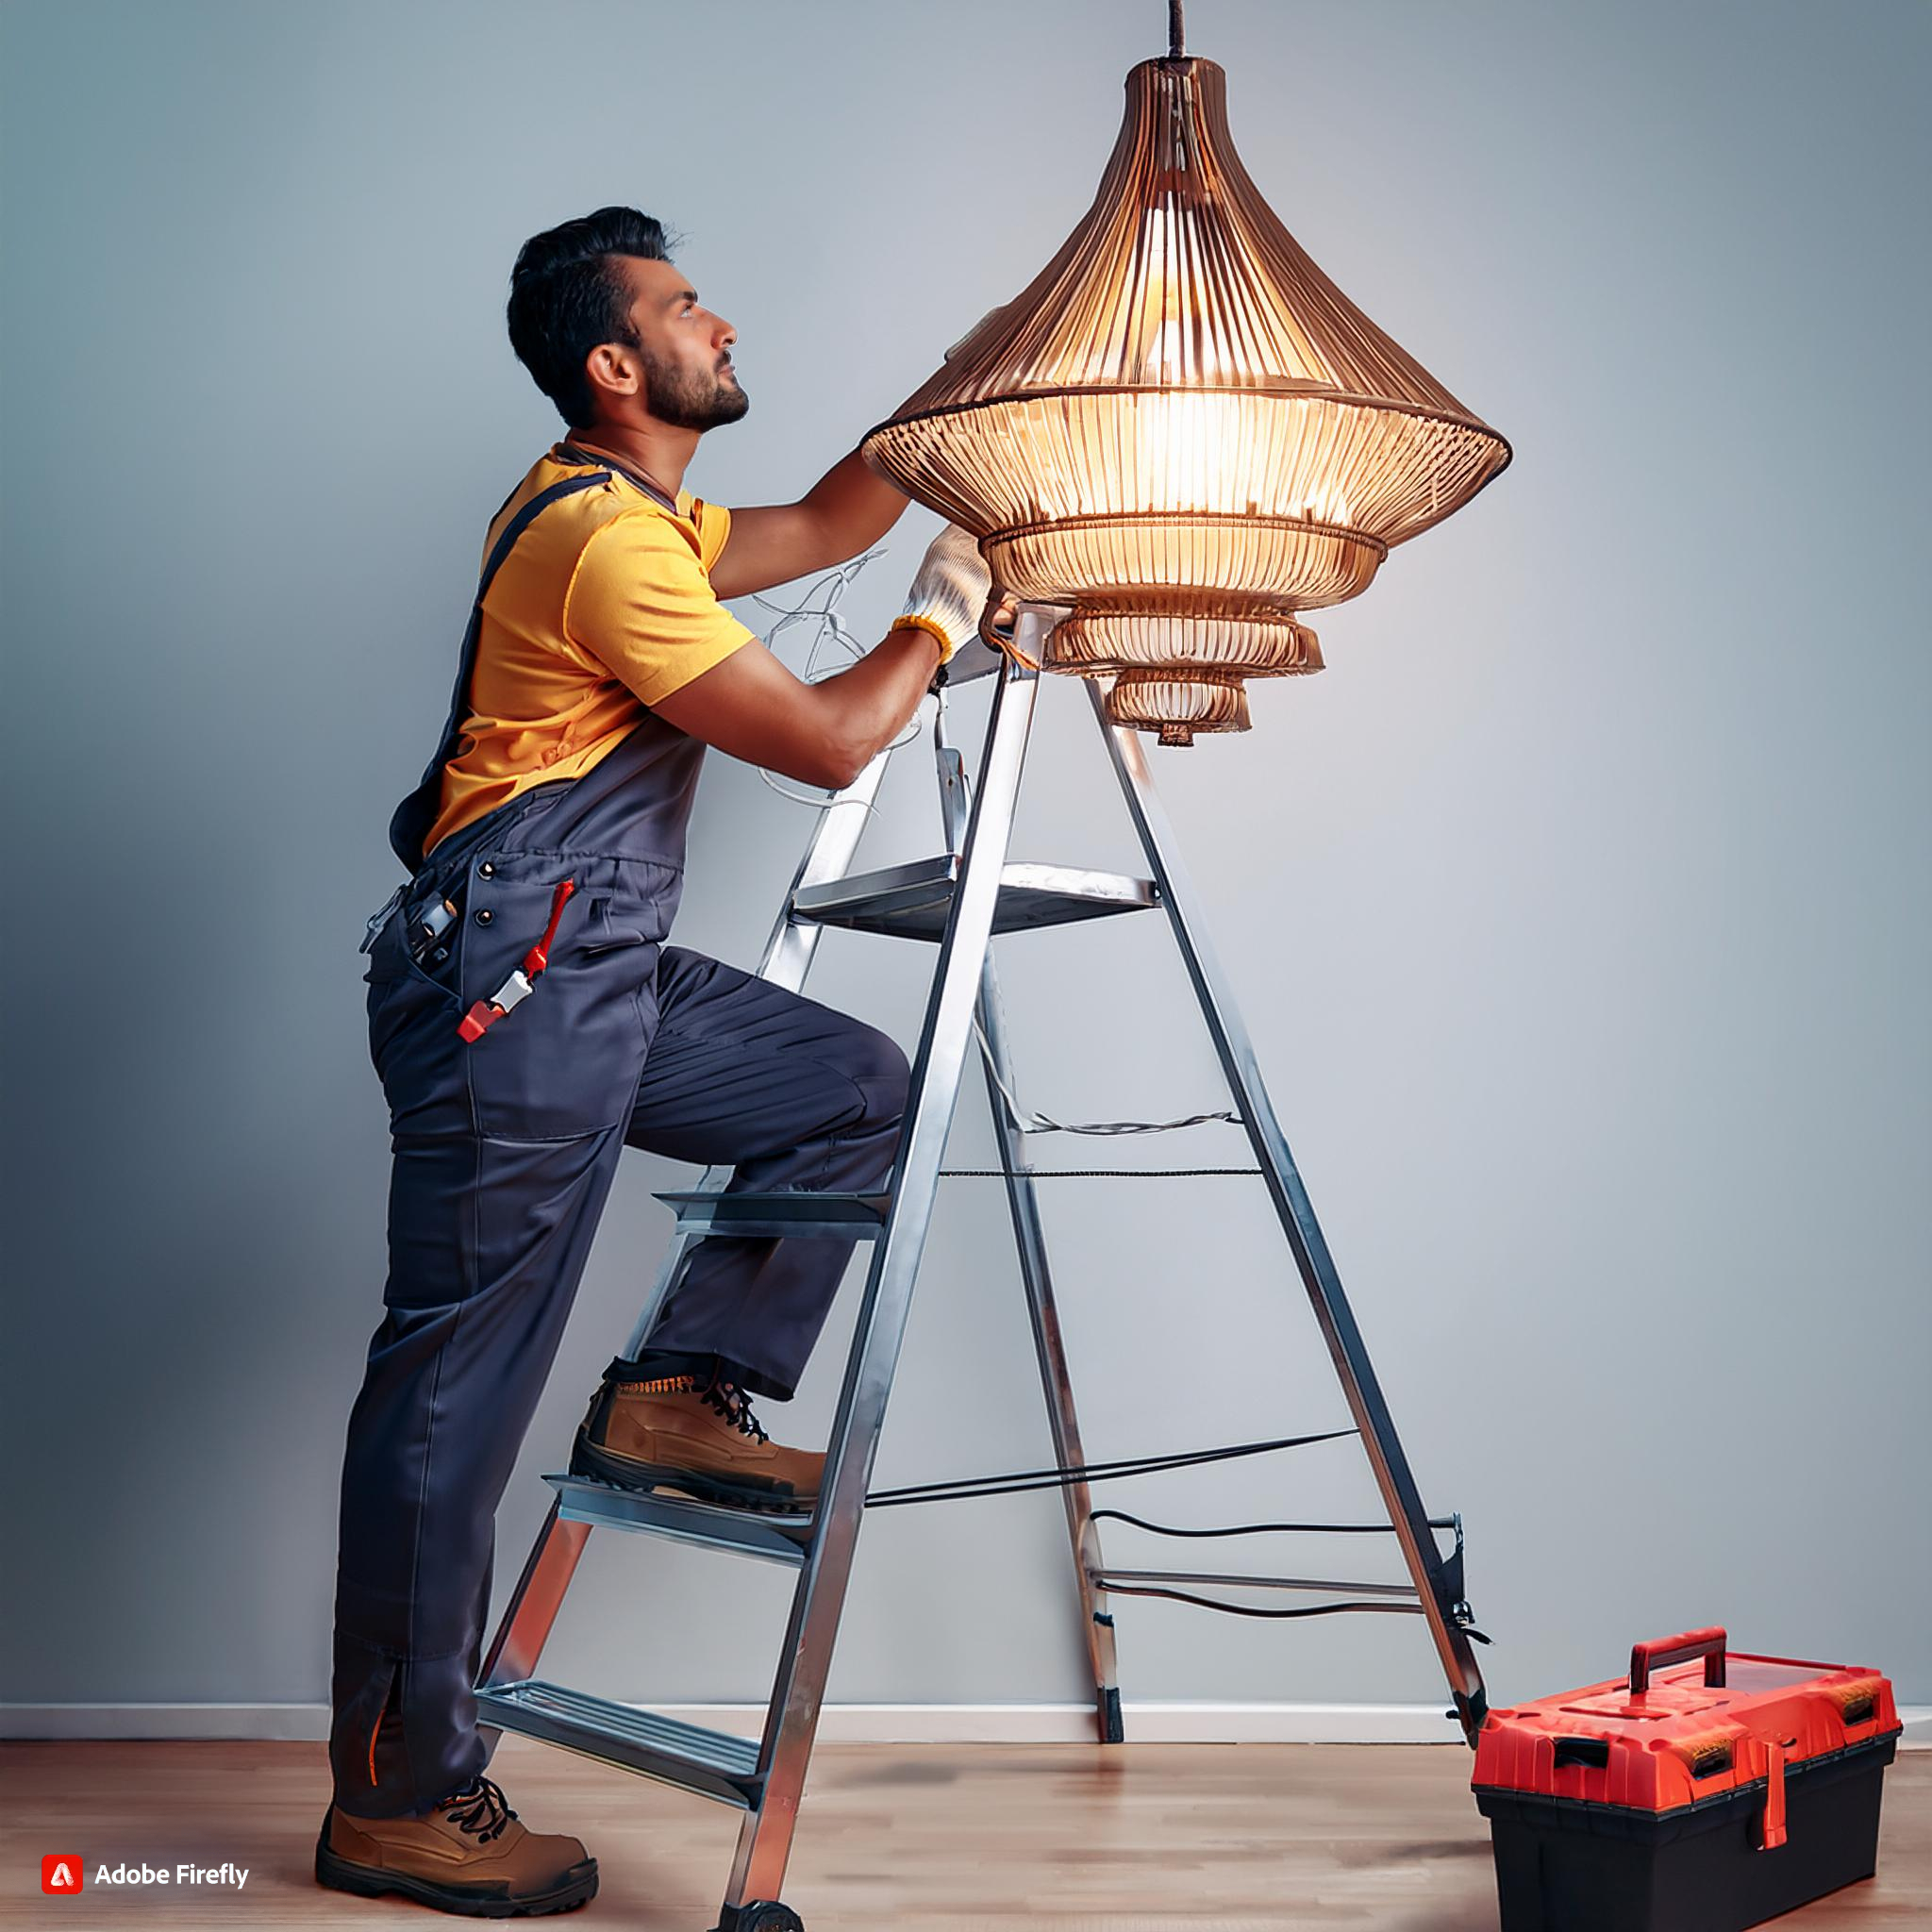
x=60 y=1873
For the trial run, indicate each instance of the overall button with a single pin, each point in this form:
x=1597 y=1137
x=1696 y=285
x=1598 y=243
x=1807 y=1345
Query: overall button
x=483 y=918
x=486 y=871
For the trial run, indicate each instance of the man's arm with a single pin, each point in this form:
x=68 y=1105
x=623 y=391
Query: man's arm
x=847 y=509
x=825 y=733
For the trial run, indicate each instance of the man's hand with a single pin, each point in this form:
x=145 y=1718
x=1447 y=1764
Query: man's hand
x=950 y=590
x=827 y=732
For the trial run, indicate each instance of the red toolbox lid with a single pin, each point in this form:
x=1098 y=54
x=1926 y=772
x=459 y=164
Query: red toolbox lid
x=1691 y=1720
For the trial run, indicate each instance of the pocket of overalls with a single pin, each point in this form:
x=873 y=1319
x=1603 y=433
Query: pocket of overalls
x=413 y=1014
x=601 y=933
x=393 y=957
x=565 y=1059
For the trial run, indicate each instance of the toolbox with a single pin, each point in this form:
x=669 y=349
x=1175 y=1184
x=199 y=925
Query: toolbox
x=1706 y=1791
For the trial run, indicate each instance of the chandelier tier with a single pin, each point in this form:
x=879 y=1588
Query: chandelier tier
x=1183 y=430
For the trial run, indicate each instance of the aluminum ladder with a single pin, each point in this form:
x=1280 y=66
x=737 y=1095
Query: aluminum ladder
x=961 y=899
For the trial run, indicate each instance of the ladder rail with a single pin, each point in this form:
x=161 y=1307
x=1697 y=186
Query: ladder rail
x=1049 y=1345
x=764 y=1841
x=534 y=1603
x=1036 y=1275
x=1306 y=1241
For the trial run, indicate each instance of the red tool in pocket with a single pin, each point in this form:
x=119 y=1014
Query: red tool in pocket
x=486 y=1013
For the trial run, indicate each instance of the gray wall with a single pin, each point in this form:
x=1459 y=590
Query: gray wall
x=1579 y=910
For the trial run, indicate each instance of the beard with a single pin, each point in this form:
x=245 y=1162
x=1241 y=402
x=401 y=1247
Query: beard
x=687 y=401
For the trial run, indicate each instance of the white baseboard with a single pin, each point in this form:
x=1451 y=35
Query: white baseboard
x=869 y=1723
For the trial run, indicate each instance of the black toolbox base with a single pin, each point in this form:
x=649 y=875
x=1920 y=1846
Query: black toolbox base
x=1564 y=1866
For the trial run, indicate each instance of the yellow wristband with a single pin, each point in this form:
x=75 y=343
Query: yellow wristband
x=932 y=626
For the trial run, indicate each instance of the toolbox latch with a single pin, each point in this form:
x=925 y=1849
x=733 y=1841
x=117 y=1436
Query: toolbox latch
x=1773 y=1798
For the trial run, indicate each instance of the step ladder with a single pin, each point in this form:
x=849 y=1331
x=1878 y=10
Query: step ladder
x=959 y=900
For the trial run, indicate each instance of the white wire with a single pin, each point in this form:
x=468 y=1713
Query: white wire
x=831 y=629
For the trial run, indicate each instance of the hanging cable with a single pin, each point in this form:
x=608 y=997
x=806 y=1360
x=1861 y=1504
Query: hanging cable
x=820 y=605
x=1029 y=1122
x=1209 y=1603
x=1059 y=1477
x=1091 y=1174
x=1260 y=1528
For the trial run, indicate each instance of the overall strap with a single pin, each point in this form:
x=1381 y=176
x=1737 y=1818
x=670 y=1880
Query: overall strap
x=412 y=819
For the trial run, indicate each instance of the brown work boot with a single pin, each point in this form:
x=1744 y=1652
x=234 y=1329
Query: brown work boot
x=696 y=1435
x=468 y=1854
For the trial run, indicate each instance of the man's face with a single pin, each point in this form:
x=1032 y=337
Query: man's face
x=685 y=349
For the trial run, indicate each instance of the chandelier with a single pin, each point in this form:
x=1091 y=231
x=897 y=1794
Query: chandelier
x=1182 y=430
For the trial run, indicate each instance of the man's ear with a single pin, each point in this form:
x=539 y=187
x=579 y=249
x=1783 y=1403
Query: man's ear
x=613 y=368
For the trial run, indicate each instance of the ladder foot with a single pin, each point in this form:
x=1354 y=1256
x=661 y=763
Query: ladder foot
x=758 y=1916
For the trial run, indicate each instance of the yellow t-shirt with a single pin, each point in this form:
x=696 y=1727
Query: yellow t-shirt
x=604 y=607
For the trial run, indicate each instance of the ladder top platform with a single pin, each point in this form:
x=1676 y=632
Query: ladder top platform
x=912 y=901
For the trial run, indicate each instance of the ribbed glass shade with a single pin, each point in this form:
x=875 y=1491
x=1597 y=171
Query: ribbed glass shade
x=1182 y=429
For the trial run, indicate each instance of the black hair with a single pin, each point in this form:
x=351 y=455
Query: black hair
x=566 y=296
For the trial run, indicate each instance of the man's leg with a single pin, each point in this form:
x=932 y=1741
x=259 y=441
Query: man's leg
x=504 y=1149
x=488 y=1243
x=798 y=1096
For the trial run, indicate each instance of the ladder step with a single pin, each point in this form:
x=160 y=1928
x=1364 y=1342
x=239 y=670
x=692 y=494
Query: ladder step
x=712 y=1763
x=848 y=1217
x=1122 y=1580
x=912 y=901
x=777 y=1538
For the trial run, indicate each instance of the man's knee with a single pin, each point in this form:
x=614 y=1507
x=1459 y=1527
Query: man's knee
x=878 y=1068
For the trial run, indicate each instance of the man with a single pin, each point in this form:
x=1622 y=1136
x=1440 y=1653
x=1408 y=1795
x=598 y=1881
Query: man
x=529 y=1019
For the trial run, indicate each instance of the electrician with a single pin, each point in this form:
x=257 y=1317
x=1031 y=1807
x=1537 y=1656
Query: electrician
x=529 y=1018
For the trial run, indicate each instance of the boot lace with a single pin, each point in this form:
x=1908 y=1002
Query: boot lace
x=485 y=1811
x=734 y=1405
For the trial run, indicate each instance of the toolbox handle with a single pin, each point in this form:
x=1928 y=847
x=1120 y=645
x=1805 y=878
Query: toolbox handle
x=1663 y=1651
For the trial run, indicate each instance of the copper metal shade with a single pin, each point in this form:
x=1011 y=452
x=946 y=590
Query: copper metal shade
x=1183 y=430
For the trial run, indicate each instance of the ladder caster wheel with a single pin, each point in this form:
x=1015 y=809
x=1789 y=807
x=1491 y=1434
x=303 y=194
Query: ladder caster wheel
x=759 y=1916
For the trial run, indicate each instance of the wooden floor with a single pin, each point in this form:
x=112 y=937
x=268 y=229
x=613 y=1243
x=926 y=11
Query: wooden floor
x=1142 y=1837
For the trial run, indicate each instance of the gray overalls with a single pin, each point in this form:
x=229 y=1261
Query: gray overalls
x=505 y=1147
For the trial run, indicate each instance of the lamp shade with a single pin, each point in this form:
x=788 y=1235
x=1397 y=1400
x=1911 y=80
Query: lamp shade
x=1183 y=430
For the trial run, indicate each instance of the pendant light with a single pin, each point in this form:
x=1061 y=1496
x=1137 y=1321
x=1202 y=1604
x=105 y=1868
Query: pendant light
x=1182 y=429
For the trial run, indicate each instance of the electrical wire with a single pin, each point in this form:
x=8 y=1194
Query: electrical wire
x=1027 y=1121
x=820 y=605
x=1209 y=1603
x=1263 y=1528
x=1093 y=1174
x=1059 y=1477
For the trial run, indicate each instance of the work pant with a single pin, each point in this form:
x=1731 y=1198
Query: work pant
x=489 y=1235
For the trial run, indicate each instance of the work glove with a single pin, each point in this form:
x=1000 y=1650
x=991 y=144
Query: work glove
x=950 y=590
